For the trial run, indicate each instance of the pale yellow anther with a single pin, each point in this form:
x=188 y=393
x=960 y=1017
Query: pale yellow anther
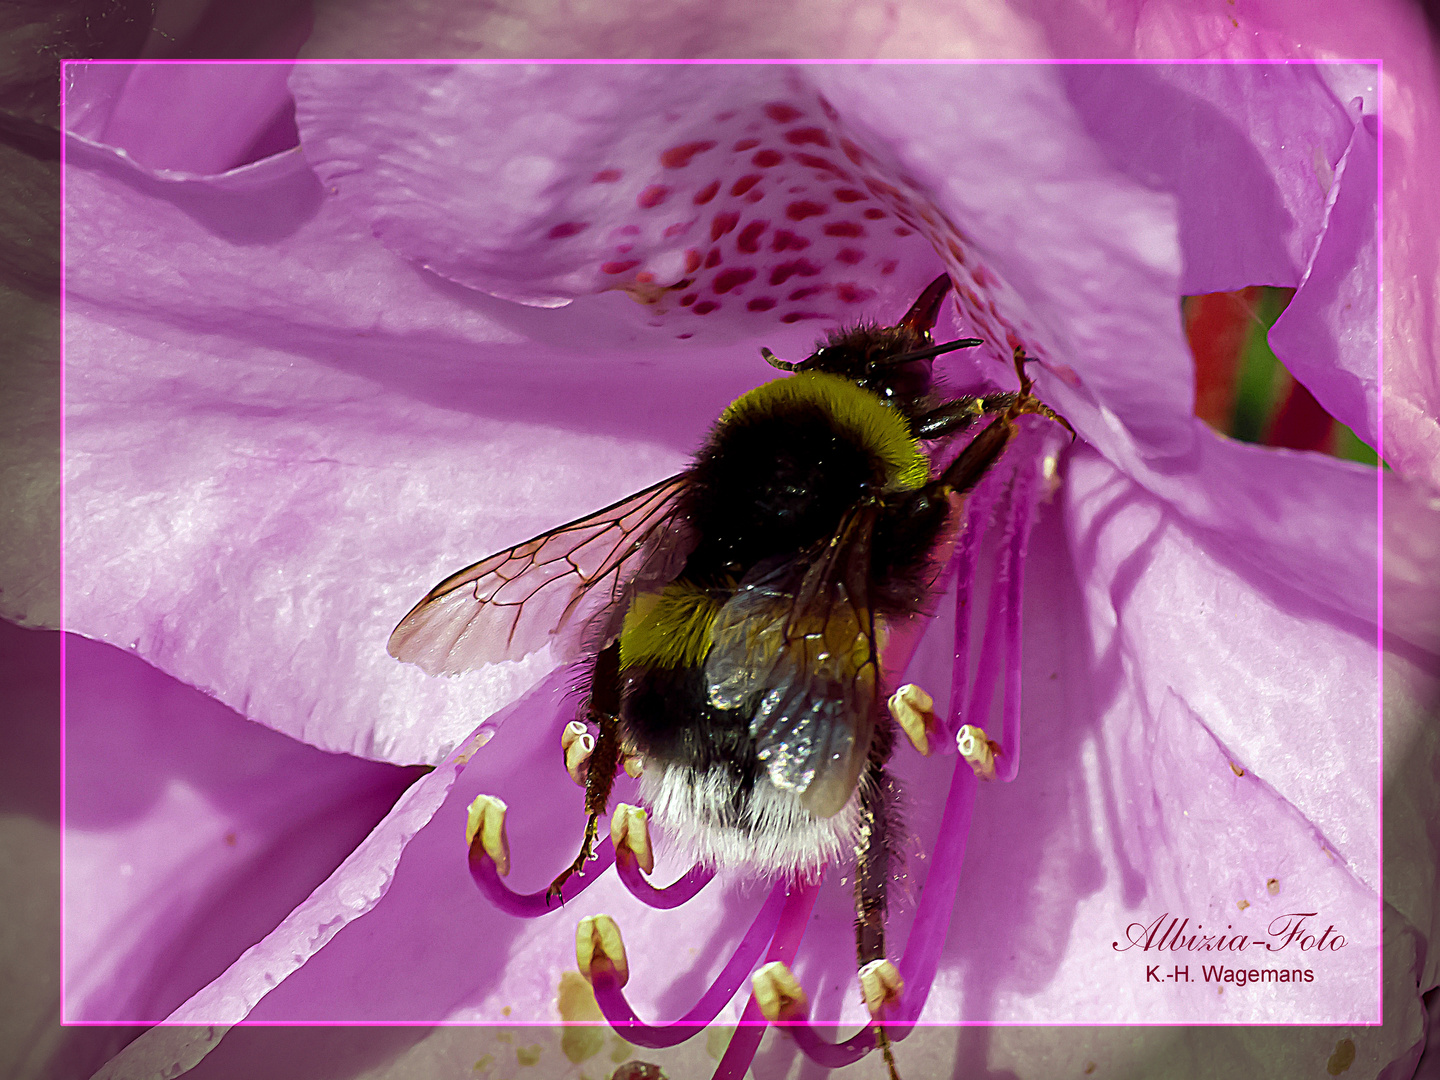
x=486 y=819
x=630 y=828
x=578 y=745
x=778 y=993
x=914 y=710
x=978 y=750
x=598 y=949
x=881 y=985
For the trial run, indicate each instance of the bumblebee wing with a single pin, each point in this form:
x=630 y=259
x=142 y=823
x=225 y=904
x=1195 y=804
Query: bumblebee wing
x=797 y=644
x=519 y=599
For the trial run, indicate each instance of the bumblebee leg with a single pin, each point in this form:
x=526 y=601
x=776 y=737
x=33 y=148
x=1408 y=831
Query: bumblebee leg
x=880 y=831
x=953 y=417
x=603 y=709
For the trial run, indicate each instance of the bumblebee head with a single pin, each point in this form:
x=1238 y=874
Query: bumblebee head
x=891 y=361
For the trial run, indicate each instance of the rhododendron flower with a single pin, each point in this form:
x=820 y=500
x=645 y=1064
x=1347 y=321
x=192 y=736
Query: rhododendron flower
x=303 y=387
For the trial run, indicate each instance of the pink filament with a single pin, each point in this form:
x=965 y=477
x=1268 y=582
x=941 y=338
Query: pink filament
x=799 y=901
x=673 y=895
x=623 y=1019
x=530 y=905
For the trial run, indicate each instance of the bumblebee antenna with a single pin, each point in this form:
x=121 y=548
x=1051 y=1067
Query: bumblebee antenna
x=933 y=350
x=775 y=361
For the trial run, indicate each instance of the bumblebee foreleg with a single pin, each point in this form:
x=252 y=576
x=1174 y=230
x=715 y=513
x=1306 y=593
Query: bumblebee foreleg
x=953 y=417
x=602 y=709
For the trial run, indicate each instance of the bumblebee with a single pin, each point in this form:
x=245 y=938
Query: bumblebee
x=731 y=618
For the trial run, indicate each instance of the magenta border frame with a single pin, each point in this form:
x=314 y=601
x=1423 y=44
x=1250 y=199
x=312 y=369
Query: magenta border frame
x=1379 y=492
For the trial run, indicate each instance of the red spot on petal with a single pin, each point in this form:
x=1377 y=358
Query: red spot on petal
x=624 y=249
x=808 y=290
x=687 y=299
x=809 y=136
x=723 y=223
x=692 y=260
x=814 y=161
x=749 y=238
x=782 y=113
x=849 y=195
x=797 y=316
x=785 y=240
x=982 y=279
x=704 y=307
x=853 y=152
x=746 y=144
x=874 y=213
x=888 y=266
x=729 y=279
x=652 y=196
x=744 y=184
x=879 y=187
x=706 y=193
x=957 y=251
x=849 y=256
x=678 y=228
x=645 y=277
x=828 y=109
x=629 y=230
x=606 y=176
x=619 y=267
x=804 y=208
x=682 y=337
x=677 y=157
x=712 y=260
x=726 y=115
x=765 y=159
x=567 y=228
x=850 y=293
x=785 y=271
x=760 y=303
x=851 y=229
x=755 y=196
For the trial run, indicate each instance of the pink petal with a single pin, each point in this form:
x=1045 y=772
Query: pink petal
x=189 y=833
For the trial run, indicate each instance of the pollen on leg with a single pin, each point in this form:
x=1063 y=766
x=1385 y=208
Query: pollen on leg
x=778 y=993
x=630 y=830
x=486 y=820
x=978 y=750
x=914 y=710
x=577 y=744
x=599 y=950
x=881 y=985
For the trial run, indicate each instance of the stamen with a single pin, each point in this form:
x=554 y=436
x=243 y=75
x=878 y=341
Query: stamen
x=735 y=1062
x=671 y=896
x=623 y=1019
x=630 y=832
x=577 y=744
x=779 y=994
x=881 y=986
x=486 y=820
x=914 y=710
x=978 y=750
x=483 y=871
x=599 y=951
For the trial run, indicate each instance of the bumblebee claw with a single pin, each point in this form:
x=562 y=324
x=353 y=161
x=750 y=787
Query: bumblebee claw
x=881 y=985
x=913 y=709
x=486 y=821
x=778 y=993
x=630 y=831
x=978 y=750
x=599 y=949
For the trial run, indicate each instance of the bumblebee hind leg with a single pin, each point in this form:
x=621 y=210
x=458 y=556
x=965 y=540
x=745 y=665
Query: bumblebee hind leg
x=602 y=709
x=876 y=857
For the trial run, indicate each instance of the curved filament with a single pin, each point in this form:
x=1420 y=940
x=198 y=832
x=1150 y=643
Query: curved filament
x=531 y=905
x=673 y=895
x=622 y=1018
